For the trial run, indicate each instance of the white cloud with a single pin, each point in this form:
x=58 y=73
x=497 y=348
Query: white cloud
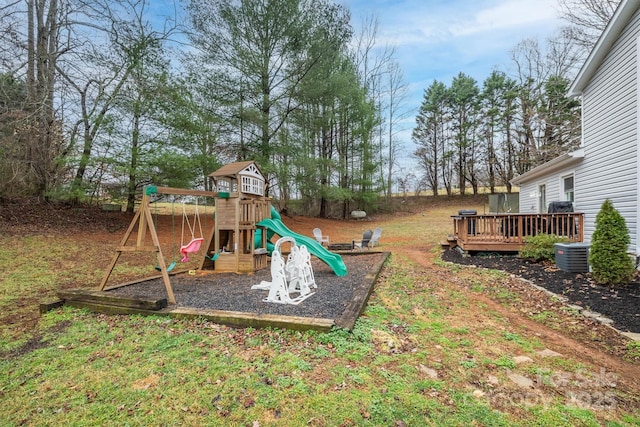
x=418 y=22
x=437 y=39
x=508 y=14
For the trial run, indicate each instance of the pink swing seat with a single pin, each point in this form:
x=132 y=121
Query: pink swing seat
x=191 y=247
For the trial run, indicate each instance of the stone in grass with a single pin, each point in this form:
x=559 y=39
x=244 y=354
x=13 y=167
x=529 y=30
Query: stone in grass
x=522 y=359
x=358 y=214
x=548 y=353
x=521 y=381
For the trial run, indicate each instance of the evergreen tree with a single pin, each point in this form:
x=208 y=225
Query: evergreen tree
x=608 y=256
x=464 y=99
x=496 y=119
x=561 y=117
x=429 y=134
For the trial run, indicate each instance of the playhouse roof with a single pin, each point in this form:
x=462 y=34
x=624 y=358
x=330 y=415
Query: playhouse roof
x=234 y=169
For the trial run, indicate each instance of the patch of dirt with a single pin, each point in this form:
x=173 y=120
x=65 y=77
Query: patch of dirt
x=35 y=343
x=573 y=335
x=621 y=304
x=33 y=216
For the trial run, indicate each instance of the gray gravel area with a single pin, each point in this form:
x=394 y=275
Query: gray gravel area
x=232 y=292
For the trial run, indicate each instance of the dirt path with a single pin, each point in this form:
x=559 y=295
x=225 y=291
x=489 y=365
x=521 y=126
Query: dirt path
x=628 y=374
x=555 y=339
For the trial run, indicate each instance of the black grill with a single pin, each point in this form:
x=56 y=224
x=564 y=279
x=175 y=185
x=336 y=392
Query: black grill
x=560 y=207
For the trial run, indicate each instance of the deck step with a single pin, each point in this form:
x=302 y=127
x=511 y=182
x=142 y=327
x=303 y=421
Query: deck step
x=449 y=244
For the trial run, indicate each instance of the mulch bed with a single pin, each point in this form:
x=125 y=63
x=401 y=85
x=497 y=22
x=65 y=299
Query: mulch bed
x=620 y=304
x=232 y=292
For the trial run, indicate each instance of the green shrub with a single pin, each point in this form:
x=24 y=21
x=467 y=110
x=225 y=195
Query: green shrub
x=541 y=247
x=610 y=263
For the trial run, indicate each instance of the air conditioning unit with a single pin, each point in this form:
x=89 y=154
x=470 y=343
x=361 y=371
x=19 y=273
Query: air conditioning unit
x=572 y=257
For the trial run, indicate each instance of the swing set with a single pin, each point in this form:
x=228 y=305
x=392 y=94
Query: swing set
x=190 y=242
x=193 y=245
x=236 y=242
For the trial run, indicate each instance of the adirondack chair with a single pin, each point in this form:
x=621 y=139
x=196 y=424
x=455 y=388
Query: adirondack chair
x=375 y=239
x=317 y=234
x=364 y=243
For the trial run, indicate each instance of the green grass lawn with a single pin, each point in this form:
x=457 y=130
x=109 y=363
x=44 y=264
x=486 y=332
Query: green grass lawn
x=428 y=351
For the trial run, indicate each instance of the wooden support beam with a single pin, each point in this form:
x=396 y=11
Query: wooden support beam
x=137 y=249
x=142 y=225
x=185 y=192
x=144 y=279
x=50 y=304
x=106 y=298
x=242 y=319
x=360 y=297
x=114 y=260
x=113 y=309
x=161 y=263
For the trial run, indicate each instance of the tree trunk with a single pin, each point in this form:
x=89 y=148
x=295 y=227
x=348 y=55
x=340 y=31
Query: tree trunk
x=45 y=144
x=133 y=165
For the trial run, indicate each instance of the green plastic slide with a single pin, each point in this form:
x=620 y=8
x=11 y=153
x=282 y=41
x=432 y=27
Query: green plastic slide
x=331 y=259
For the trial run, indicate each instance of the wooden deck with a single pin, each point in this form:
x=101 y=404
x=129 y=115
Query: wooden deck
x=506 y=232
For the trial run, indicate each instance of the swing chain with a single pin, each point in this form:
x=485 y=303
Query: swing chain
x=196 y=219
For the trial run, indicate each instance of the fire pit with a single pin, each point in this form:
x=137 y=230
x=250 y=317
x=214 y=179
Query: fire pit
x=340 y=246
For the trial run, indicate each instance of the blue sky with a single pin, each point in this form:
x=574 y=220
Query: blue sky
x=437 y=39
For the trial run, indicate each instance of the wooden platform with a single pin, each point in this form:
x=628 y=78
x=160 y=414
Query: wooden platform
x=507 y=232
x=110 y=303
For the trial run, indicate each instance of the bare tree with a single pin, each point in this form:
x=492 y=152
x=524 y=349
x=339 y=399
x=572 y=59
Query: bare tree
x=531 y=74
x=587 y=19
x=373 y=64
x=121 y=24
x=563 y=55
x=544 y=113
x=43 y=50
x=370 y=61
x=10 y=20
x=396 y=111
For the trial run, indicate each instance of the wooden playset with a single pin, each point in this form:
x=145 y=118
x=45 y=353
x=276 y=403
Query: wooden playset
x=234 y=244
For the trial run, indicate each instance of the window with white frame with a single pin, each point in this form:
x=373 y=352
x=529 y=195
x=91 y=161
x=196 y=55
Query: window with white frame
x=252 y=180
x=542 y=198
x=252 y=185
x=223 y=185
x=567 y=187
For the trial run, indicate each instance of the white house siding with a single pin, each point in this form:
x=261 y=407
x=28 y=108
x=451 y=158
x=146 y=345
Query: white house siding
x=528 y=197
x=610 y=137
x=553 y=189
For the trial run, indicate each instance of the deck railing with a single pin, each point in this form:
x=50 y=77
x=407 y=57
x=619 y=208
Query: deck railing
x=506 y=232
